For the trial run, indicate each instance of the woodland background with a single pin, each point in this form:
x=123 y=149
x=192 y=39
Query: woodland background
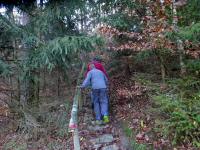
x=150 y=49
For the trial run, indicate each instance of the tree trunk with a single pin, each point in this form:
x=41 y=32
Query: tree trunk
x=179 y=41
x=181 y=57
x=162 y=67
x=33 y=96
x=18 y=89
x=34 y=84
x=20 y=55
x=11 y=85
x=58 y=83
x=41 y=3
x=82 y=20
x=44 y=81
x=127 y=67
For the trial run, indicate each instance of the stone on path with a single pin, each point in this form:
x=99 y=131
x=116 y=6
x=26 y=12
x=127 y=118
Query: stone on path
x=124 y=141
x=111 y=147
x=106 y=138
x=97 y=146
x=93 y=133
x=87 y=118
x=97 y=128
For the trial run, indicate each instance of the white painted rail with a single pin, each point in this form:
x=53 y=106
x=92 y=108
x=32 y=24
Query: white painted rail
x=73 y=123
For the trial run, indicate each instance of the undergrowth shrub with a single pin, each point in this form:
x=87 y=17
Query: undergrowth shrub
x=193 y=66
x=177 y=106
x=130 y=134
x=15 y=144
x=38 y=125
x=185 y=87
x=180 y=118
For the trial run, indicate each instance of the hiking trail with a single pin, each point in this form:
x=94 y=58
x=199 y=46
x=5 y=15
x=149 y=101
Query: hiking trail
x=99 y=137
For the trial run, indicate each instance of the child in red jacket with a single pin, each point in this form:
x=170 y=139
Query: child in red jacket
x=98 y=65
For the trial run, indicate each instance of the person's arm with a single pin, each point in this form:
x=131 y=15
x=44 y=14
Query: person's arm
x=87 y=80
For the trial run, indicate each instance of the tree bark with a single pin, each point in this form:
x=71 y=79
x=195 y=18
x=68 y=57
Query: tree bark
x=127 y=67
x=163 y=71
x=181 y=57
x=58 y=83
x=179 y=41
x=33 y=96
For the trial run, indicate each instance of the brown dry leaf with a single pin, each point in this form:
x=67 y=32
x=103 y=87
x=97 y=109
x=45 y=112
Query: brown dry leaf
x=140 y=136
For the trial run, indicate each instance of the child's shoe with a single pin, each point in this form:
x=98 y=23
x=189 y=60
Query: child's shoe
x=106 y=119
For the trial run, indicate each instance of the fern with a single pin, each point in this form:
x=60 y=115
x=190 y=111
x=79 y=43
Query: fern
x=193 y=66
x=144 y=55
x=191 y=33
x=181 y=122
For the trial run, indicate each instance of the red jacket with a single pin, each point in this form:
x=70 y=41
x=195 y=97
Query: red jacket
x=98 y=66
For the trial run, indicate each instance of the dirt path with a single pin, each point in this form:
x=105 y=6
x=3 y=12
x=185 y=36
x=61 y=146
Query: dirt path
x=103 y=137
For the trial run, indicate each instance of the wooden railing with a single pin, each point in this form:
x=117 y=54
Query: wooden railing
x=77 y=104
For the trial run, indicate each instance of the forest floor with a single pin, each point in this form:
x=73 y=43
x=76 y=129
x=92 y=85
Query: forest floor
x=51 y=134
x=131 y=106
x=99 y=137
x=134 y=109
x=132 y=123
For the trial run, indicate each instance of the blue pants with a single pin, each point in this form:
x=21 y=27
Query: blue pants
x=91 y=96
x=100 y=100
